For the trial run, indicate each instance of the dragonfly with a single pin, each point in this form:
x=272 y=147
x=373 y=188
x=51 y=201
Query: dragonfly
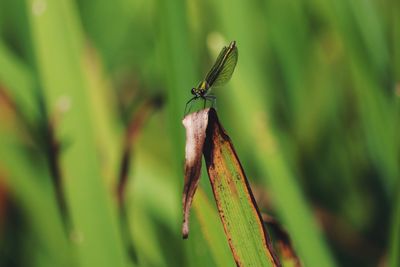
x=220 y=73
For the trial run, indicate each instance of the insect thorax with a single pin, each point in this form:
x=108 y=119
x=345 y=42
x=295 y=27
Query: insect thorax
x=201 y=89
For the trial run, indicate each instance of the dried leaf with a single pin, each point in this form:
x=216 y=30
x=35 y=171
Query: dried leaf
x=282 y=239
x=247 y=237
x=196 y=125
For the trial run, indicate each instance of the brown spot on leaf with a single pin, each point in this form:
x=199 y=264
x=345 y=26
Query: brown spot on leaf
x=205 y=134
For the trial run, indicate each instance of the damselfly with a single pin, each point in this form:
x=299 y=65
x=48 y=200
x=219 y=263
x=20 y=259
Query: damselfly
x=220 y=74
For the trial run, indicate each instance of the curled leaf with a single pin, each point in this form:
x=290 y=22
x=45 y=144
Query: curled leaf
x=248 y=239
x=196 y=125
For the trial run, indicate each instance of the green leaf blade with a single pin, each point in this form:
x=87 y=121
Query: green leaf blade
x=58 y=50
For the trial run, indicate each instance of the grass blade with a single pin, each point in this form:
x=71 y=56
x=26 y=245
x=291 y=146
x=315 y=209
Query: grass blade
x=395 y=235
x=30 y=186
x=212 y=229
x=238 y=211
x=247 y=236
x=19 y=81
x=58 y=50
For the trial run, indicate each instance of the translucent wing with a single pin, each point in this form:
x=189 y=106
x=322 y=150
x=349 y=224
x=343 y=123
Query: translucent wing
x=213 y=73
x=224 y=66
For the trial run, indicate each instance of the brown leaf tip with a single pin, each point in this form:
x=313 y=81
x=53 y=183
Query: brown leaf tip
x=195 y=125
x=185 y=229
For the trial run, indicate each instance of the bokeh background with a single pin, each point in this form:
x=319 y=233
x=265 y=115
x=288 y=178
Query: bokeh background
x=92 y=95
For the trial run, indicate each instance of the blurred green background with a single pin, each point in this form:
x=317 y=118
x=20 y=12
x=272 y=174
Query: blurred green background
x=92 y=95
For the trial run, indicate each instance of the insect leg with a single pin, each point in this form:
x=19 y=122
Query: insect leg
x=187 y=103
x=213 y=100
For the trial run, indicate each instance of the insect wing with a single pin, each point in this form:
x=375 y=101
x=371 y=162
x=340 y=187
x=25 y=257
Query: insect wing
x=213 y=73
x=227 y=70
x=223 y=67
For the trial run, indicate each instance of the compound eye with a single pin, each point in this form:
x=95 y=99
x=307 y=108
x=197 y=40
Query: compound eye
x=193 y=91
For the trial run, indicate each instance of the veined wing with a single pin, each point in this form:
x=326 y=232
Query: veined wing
x=224 y=66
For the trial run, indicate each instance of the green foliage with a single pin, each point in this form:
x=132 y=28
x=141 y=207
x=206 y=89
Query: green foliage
x=313 y=110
